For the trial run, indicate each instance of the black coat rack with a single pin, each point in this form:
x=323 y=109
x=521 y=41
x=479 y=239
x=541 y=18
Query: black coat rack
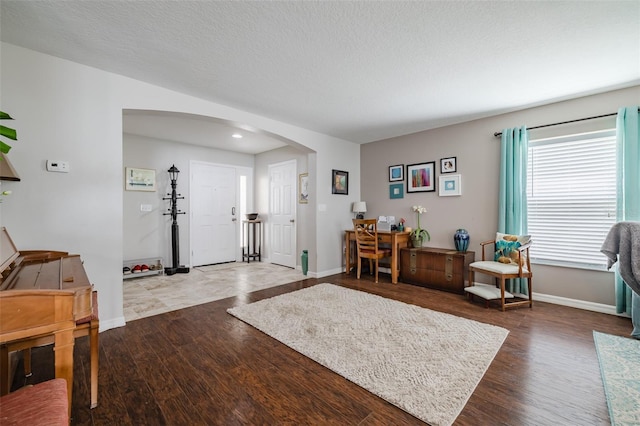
x=174 y=212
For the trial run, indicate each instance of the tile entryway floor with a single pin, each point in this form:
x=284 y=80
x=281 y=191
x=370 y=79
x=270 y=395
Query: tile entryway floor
x=157 y=294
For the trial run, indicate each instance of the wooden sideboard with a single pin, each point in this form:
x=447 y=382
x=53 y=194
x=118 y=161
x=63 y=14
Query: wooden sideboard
x=442 y=269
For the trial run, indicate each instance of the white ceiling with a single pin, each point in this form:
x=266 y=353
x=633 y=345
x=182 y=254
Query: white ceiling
x=358 y=70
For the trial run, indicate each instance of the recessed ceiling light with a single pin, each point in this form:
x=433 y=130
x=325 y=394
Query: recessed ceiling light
x=237 y=135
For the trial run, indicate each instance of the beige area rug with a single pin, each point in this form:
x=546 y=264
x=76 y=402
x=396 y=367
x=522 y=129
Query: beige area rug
x=425 y=362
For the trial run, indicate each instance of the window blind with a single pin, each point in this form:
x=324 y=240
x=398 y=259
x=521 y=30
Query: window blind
x=571 y=194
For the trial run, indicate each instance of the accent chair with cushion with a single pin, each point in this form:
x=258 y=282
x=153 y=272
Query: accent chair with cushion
x=367 y=244
x=509 y=260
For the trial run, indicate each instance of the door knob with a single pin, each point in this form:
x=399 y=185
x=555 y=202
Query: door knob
x=291 y=220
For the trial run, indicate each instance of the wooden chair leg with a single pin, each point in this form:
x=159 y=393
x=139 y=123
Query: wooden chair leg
x=359 y=269
x=377 y=267
x=530 y=292
x=95 y=350
x=502 y=286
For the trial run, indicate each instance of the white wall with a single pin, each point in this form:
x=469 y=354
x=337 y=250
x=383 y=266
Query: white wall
x=66 y=111
x=478 y=155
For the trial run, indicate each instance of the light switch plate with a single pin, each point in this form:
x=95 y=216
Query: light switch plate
x=145 y=207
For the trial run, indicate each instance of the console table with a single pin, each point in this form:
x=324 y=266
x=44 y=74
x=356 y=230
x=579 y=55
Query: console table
x=442 y=269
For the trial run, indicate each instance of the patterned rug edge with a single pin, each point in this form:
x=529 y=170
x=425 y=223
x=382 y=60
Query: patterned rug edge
x=615 y=369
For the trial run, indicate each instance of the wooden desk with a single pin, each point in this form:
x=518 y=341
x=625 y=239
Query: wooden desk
x=397 y=240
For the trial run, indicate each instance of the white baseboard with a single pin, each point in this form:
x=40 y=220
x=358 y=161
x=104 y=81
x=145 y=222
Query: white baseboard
x=322 y=274
x=112 y=323
x=580 y=304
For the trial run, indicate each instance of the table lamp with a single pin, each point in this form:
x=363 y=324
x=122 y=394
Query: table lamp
x=359 y=208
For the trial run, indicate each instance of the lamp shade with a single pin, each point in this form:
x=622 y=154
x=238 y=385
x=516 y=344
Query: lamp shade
x=173 y=172
x=7 y=172
x=359 y=207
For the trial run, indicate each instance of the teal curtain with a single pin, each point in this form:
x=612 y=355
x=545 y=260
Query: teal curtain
x=628 y=194
x=512 y=204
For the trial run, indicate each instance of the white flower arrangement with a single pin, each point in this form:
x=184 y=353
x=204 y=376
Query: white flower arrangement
x=420 y=233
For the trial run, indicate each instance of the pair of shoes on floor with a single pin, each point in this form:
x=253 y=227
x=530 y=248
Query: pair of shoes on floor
x=140 y=268
x=155 y=267
x=126 y=270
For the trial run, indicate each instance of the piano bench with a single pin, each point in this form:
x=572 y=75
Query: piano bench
x=43 y=404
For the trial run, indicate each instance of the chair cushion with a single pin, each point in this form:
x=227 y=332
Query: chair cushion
x=497 y=267
x=487 y=292
x=43 y=404
x=507 y=248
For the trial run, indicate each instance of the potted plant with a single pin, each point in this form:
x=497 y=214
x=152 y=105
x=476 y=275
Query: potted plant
x=419 y=235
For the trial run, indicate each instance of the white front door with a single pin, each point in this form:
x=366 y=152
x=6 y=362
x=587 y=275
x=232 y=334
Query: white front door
x=282 y=212
x=213 y=214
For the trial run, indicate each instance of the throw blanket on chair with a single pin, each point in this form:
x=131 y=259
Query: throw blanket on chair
x=622 y=245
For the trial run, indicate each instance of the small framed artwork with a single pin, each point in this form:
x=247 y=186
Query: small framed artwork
x=303 y=188
x=448 y=165
x=450 y=185
x=421 y=177
x=139 y=179
x=396 y=173
x=396 y=190
x=339 y=182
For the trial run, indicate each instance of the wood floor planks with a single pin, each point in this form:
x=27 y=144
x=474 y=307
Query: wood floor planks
x=202 y=366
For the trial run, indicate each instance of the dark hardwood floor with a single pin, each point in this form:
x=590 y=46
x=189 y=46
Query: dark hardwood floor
x=200 y=365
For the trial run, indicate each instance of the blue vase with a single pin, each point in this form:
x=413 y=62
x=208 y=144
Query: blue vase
x=461 y=240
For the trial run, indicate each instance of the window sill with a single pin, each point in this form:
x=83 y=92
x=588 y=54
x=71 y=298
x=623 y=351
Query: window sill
x=599 y=268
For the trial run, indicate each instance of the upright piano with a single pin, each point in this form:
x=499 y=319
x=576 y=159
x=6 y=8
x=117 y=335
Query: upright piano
x=44 y=271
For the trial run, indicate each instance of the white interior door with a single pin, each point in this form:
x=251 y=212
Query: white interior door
x=282 y=211
x=213 y=214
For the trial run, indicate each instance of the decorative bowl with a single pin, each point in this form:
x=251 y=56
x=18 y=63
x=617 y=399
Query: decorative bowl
x=252 y=216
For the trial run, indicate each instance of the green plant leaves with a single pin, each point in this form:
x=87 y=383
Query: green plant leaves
x=7 y=132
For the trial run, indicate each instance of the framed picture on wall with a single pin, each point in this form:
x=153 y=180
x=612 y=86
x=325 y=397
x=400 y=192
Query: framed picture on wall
x=448 y=165
x=396 y=173
x=339 y=182
x=396 y=190
x=303 y=188
x=421 y=177
x=139 y=179
x=450 y=186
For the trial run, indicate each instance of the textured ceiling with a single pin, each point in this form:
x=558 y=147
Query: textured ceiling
x=358 y=70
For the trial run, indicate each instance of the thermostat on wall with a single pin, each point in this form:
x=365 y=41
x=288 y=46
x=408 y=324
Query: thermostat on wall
x=57 y=166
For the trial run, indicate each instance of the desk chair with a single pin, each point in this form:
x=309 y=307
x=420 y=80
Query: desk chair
x=509 y=260
x=367 y=247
